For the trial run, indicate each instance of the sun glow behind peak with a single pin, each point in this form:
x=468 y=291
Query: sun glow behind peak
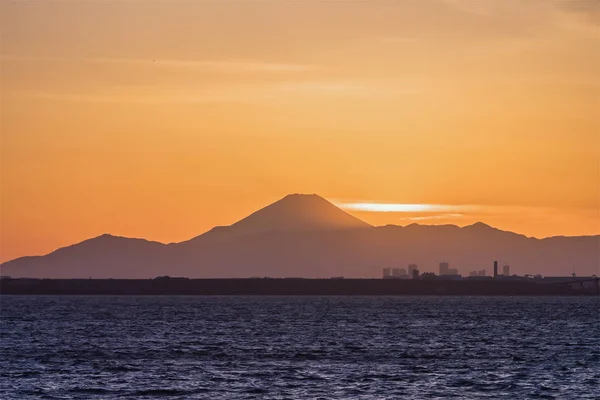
x=404 y=111
x=405 y=207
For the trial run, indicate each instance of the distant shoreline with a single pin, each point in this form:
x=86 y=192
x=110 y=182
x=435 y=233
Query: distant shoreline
x=297 y=286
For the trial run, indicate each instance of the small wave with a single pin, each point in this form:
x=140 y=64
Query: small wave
x=305 y=356
x=256 y=390
x=160 y=392
x=460 y=382
x=89 y=390
x=121 y=368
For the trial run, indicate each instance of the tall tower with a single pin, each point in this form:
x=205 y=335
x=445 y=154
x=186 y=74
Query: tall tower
x=411 y=268
x=444 y=267
x=495 y=269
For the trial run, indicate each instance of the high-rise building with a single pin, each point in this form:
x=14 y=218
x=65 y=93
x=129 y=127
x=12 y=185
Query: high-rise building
x=444 y=267
x=386 y=273
x=399 y=272
x=411 y=268
x=415 y=274
x=506 y=270
x=478 y=273
x=495 y=269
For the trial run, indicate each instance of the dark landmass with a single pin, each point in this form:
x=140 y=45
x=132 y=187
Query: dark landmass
x=305 y=235
x=296 y=286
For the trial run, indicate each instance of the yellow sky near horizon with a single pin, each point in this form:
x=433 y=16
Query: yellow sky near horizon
x=161 y=119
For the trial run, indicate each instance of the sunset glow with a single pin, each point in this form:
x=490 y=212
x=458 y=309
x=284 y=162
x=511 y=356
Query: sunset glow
x=404 y=208
x=163 y=119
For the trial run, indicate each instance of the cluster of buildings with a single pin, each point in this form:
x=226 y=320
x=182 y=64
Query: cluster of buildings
x=445 y=272
x=481 y=272
x=401 y=273
x=445 y=269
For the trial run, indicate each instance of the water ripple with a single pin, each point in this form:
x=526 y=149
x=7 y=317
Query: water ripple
x=60 y=347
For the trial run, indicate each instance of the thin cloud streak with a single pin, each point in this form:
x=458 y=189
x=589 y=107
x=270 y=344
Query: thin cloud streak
x=424 y=211
x=281 y=91
x=434 y=217
x=225 y=66
x=224 y=95
x=222 y=66
x=406 y=208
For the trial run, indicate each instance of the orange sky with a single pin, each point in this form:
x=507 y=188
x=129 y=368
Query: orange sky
x=161 y=119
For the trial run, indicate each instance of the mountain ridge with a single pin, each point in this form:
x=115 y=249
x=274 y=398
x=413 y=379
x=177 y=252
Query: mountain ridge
x=305 y=235
x=415 y=225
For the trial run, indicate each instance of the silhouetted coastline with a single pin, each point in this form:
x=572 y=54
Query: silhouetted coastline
x=296 y=286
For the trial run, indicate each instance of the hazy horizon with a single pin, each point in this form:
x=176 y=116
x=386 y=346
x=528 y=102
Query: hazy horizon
x=161 y=120
x=415 y=223
x=304 y=235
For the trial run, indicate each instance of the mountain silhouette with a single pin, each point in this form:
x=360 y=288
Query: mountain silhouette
x=307 y=236
x=299 y=212
x=293 y=213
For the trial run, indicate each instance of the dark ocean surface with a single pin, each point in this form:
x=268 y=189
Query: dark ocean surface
x=56 y=347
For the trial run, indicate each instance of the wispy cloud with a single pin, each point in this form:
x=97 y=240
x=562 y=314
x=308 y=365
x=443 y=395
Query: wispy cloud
x=581 y=17
x=271 y=91
x=434 y=217
x=30 y=57
x=589 y=10
x=157 y=96
x=220 y=66
x=425 y=211
x=225 y=66
x=358 y=88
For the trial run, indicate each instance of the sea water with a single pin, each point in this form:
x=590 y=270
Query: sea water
x=86 y=347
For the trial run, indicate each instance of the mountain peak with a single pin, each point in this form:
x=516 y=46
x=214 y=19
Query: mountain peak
x=301 y=195
x=479 y=226
x=299 y=212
